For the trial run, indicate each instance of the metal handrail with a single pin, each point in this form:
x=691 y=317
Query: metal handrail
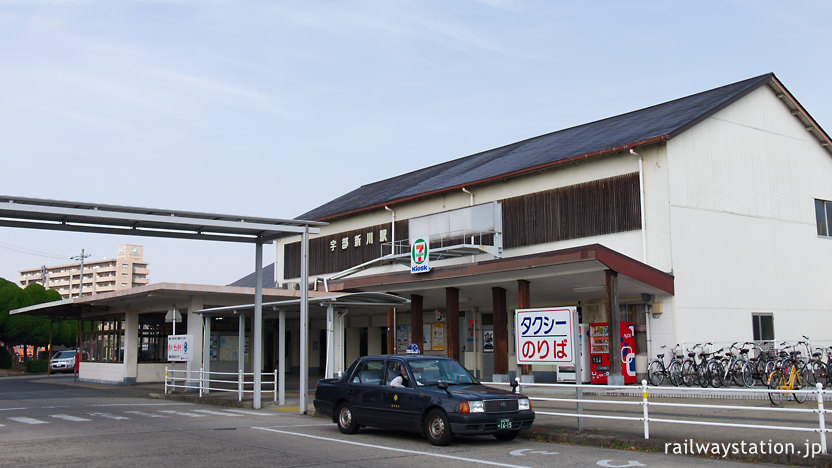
x=204 y=380
x=645 y=404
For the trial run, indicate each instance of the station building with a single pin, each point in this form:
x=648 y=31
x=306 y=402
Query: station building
x=706 y=218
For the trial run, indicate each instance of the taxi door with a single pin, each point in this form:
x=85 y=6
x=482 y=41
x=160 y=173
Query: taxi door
x=402 y=406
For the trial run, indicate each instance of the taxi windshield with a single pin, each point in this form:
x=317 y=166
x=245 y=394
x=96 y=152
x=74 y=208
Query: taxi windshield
x=433 y=371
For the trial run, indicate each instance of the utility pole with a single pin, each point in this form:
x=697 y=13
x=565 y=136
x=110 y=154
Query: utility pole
x=81 y=280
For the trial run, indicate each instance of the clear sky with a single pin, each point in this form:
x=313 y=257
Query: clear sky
x=272 y=108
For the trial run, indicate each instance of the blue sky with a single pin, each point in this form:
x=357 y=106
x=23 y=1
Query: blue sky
x=272 y=108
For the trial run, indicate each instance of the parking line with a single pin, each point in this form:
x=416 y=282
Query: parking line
x=182 y=413
x=217 y=413
x=149 y=415
x=109 y=416
x=67 y=417
x=28 y=420
x=252 y=413
x=415 y=452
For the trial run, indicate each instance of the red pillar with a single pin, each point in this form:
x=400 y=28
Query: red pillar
x=498 y=306
x=524 y=302
x=452 y=322
x=416 y=321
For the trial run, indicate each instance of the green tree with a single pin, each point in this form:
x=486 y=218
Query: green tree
x=26 y=329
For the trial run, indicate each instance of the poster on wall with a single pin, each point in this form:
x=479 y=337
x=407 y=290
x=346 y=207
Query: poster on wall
x=437 y=336
x=487 y=341
x=426 y=337
x=402 y=337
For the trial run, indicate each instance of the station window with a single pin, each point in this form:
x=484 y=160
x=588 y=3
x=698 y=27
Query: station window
x=823 y=216
x=763 y=329
x=103 y=340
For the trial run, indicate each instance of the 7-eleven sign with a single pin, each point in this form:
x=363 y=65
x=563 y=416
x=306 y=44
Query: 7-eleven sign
x=419 y=256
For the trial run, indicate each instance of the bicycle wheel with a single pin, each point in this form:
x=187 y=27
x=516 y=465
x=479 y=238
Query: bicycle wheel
x=775 y=382
x=768 y=368
x=736 y=373
x=716 y=372
x=747 y=372
x=703 y=374
x=675 y=373
x=800 y=384
x=689 y=373
x=655 y=373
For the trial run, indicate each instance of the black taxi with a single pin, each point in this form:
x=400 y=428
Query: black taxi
x=434 y=395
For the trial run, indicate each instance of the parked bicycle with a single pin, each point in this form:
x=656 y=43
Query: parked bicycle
x=657 y=371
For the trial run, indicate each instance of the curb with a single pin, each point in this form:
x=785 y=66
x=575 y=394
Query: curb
x=591 y=438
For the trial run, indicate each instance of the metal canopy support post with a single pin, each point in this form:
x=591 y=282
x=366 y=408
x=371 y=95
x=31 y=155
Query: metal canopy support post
x=281 y=360
x=330 y=339
x=257 y=326
x=304 y=319
x=241 y=355
x=205 y=383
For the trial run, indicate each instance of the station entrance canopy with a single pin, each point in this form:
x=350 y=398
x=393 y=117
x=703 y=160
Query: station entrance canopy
x=59 y=215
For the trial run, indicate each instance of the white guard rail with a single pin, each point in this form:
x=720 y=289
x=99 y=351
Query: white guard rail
x=237 y=382
x=645 y=403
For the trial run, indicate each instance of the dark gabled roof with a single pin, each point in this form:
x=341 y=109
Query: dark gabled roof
x=649 y=125
x=250 y=281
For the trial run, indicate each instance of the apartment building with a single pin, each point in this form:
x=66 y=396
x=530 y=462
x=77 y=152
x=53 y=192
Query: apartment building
x=128 y=269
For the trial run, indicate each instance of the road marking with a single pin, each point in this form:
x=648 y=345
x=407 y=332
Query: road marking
x=149 y=415
x=608 y=464
x=217 y=413
x=11 y=409
x=182 y=413
x=109 y=416
x=28 y=420
x=252 y=413
x=67 y=417
x=51 y=407
x=143 y=404
x=522 y=452
x=415 y=452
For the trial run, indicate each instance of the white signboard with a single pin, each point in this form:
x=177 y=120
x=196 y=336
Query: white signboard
x=545 y=336
x=419 y=255
x=180 y=348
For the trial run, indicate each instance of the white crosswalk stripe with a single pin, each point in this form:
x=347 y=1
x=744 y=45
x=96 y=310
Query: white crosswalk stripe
x=182 y=413
x=109 y=416
x=67 y=417
x=148 y=415
x=252 y=413
x=218 y=413
x=24 y=420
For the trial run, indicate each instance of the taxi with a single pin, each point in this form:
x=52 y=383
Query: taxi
x=433 y=395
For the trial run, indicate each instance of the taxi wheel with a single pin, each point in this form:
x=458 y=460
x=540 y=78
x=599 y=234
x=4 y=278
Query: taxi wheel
x=506 y=436
x=438 y=428
x=346 y=421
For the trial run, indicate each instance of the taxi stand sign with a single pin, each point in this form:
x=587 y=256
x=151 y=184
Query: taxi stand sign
x=180 y=348
x=545 y=336
x=419 y=256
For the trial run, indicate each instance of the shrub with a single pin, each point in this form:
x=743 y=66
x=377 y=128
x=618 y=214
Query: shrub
x=36 y=365
x=5 y=358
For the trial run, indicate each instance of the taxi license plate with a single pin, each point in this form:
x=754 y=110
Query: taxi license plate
x=504 y=423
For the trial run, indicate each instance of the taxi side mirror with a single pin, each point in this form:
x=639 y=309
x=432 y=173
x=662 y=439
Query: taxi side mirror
x=443 y=386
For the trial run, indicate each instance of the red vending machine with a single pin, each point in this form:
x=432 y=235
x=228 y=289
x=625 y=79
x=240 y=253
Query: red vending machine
x=599 y=352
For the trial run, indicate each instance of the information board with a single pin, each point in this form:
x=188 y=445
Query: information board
x=180 y=347
x=545 y=336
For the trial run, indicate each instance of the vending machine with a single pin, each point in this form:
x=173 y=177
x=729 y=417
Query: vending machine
x=599 y=352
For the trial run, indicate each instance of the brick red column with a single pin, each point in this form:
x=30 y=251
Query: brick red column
x=452 y=322
x=498 y=306
x=416 y=321
x=524 y=300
